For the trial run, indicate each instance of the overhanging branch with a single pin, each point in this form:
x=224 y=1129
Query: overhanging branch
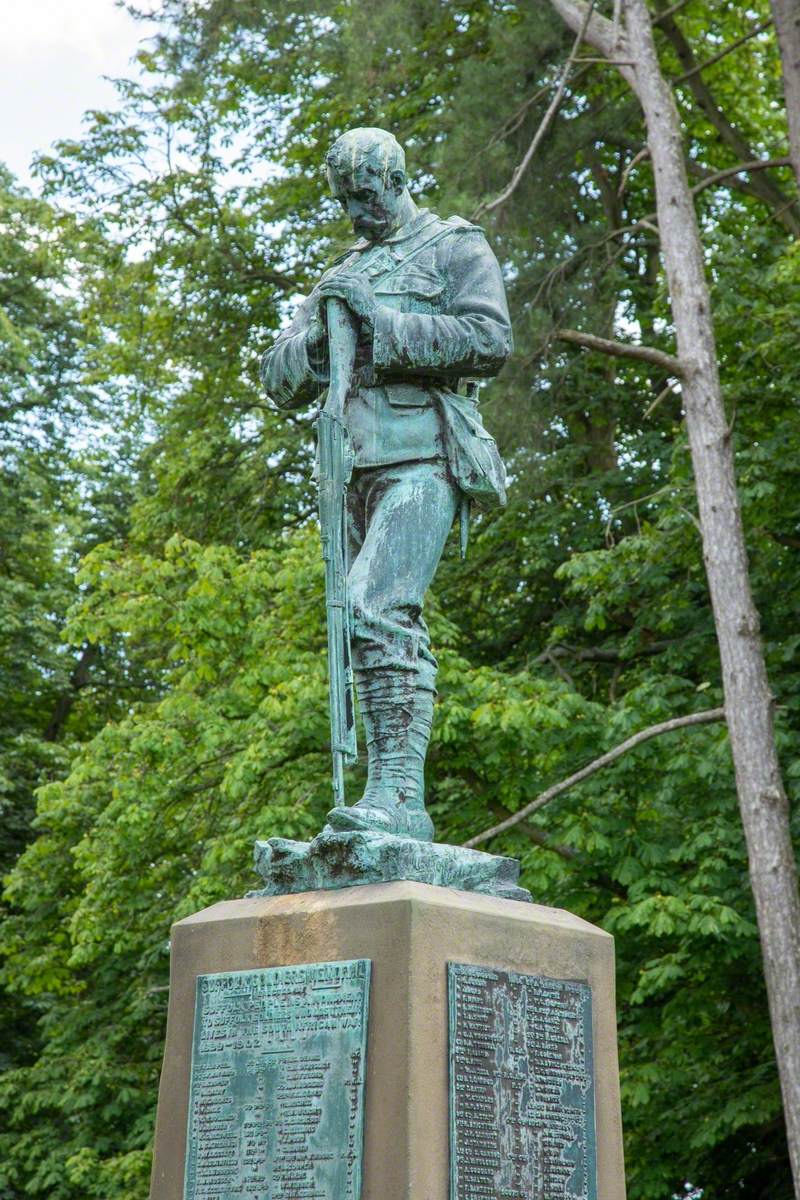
x=649 y=354
x=605 y=760
x=757 y=164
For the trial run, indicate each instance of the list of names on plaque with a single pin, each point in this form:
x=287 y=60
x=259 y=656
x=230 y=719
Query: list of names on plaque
x=276 y=1101
x=521 y=1087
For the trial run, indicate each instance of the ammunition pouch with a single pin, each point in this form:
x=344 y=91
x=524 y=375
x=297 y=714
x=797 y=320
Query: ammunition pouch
x=472 y=453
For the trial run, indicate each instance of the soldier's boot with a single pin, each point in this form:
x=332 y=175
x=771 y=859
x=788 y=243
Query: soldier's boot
x=397 y=711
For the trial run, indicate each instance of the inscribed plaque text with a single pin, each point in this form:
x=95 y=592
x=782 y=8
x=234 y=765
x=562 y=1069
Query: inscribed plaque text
x=521 y=1087
x=276 y=1102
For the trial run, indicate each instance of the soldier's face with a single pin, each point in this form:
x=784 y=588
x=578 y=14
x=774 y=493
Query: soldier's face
x=370 y=201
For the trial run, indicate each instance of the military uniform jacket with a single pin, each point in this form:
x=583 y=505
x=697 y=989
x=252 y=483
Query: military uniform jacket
x=442 y=315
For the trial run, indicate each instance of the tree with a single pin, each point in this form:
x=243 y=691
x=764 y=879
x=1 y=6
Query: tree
x=57 y=498
x=748 y=699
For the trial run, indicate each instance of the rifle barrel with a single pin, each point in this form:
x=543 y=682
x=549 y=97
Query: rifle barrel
x=332 y=515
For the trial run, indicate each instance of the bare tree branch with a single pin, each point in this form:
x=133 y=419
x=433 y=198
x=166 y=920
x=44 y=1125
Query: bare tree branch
x=658 y=358
x=567 y=853
x=646 y=222
x=601 y=653
x=537 y=836
x=763 y=185
x=637 y=158
x=673 y=8
x=660 y=398
x=608 y=62
x=558 y=789
x=544 y=124
x=599 y=32
x=78 y=679
x=784 y=539
x=725 y=51
x=710 y=178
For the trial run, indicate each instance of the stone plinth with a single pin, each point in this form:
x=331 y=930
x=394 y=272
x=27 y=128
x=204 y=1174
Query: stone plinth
x=409 y=932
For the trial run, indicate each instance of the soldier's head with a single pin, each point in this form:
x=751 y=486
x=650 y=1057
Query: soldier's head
x=366 y=171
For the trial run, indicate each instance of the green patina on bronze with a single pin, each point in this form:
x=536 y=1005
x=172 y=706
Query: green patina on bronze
x=522 y=1120
x=398 y=331
x=276 y=1101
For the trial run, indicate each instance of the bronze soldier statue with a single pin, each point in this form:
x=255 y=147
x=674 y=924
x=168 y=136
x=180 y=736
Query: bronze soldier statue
x=427 y=299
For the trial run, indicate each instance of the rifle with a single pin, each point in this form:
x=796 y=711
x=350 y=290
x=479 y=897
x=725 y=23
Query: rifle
x=333 y=477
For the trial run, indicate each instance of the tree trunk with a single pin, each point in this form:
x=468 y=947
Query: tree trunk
x=748 y=701
x=787 y=24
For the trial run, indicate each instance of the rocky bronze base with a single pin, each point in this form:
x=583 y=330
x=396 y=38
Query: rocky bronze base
x=339 y=860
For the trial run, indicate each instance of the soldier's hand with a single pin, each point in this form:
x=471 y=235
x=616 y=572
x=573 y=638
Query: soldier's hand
x=356 y=293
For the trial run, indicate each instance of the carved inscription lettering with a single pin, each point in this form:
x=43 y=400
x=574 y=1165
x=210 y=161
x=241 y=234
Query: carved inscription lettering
x=276 y=1102
x=521 y=1087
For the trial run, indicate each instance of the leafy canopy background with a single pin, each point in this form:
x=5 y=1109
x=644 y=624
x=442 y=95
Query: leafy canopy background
x=162 y=666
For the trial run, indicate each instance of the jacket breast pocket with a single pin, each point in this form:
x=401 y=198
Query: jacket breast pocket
x=416 y=289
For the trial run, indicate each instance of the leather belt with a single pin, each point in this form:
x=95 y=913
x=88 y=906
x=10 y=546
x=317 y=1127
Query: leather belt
x=422 y=381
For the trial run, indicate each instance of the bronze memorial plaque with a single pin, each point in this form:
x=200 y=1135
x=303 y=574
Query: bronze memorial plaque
x=521 y=1087
x=276 y=1100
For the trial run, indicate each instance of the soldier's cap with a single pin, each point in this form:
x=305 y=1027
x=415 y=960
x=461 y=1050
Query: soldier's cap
x=378 y=149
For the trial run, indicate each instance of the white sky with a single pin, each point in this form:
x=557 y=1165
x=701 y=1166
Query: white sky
x=53 y=56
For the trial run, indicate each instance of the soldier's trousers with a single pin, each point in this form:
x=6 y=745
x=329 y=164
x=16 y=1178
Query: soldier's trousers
x=398 y=519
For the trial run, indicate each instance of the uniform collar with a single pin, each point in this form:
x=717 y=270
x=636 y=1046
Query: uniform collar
x=421 y=221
